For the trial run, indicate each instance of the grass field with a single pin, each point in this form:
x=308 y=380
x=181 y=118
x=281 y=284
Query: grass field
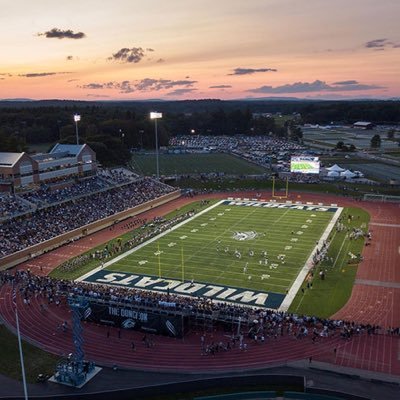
x=36 y=361
x=205 y=249
x=172 y=164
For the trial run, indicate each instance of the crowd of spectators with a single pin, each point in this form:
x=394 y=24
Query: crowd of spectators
x=46 y=195
x=63 y=189
x=259 y=324
x=11 y=205
x=117 y=175
x=43 y=224
x=296 y=177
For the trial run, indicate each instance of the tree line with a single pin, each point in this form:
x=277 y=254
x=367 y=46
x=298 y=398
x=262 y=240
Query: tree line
x=113 y=128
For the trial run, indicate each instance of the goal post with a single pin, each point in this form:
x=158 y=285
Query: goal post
x=280 y=196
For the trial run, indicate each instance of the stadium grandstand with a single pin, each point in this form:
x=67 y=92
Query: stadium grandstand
x=82 y=203
x=60 y=191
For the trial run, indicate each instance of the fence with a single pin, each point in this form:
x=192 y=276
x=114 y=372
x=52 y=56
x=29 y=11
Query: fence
x=383 y=198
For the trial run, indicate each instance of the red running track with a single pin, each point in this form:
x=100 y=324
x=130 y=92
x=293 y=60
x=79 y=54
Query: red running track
x=374 y=300
x=185 y=356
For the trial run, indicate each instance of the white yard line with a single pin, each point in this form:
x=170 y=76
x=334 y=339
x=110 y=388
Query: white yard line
x=120 y=257
x=309 y=263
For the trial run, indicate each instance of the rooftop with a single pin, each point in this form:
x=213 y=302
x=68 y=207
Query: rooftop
x=9 y=159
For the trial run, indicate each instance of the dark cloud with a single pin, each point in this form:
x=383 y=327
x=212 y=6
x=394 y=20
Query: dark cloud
x=160 y=84
x=179 y=92
x=96 y=95
x=160 y=60
x=93 y=86
x=249 y=71
x=149 y=49
x=125 y=87
x=376 y=43
x=41 y=74
x=72 y=80
x=298 y=87
x=132 y=55
x=5 y=74
x=349 y=82
x=62 y=34
x=147 y=84
x=220 y=87
x=381 y=44
x=316 y=86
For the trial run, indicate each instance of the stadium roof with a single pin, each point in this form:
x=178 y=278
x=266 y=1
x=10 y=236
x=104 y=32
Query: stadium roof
x=70 y=149
x=9 y=159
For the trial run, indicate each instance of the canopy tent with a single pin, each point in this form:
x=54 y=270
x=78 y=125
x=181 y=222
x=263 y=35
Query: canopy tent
x=347 y=174
x=335 y=168
x=333 y=174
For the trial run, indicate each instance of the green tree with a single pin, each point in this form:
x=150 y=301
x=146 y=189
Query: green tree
x=340 y=145
x=376 y=141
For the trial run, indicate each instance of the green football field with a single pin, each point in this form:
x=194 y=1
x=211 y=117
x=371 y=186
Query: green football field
x=172 y=164
x=232 y=245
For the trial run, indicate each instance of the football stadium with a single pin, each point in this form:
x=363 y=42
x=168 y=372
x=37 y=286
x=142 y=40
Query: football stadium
x=239 y=258
x=200 y=200
x=116 y=271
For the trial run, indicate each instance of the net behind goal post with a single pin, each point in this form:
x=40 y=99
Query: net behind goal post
x=382 y=198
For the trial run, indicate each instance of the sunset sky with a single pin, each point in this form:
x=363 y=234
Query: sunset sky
x=186 y=49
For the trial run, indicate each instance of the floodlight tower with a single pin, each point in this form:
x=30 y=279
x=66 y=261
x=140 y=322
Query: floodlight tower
x=77 y=118
x=156 y=116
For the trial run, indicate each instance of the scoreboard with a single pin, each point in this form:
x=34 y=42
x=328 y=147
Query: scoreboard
x=304 y=164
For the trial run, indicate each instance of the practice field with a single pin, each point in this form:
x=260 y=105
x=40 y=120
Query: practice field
x=240 y=251
x=181 y=164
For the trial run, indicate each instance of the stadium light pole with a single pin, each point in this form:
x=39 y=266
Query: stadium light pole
x=156 y=116
x=77 y=118
x=21 y=356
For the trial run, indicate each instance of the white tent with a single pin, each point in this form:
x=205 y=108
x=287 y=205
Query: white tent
x=333 y=174
x=335 y=168
x=347 y=174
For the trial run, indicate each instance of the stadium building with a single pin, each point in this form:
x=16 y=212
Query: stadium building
x=21 y=169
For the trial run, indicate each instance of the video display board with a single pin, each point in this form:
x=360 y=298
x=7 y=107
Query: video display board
x=304 y=164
